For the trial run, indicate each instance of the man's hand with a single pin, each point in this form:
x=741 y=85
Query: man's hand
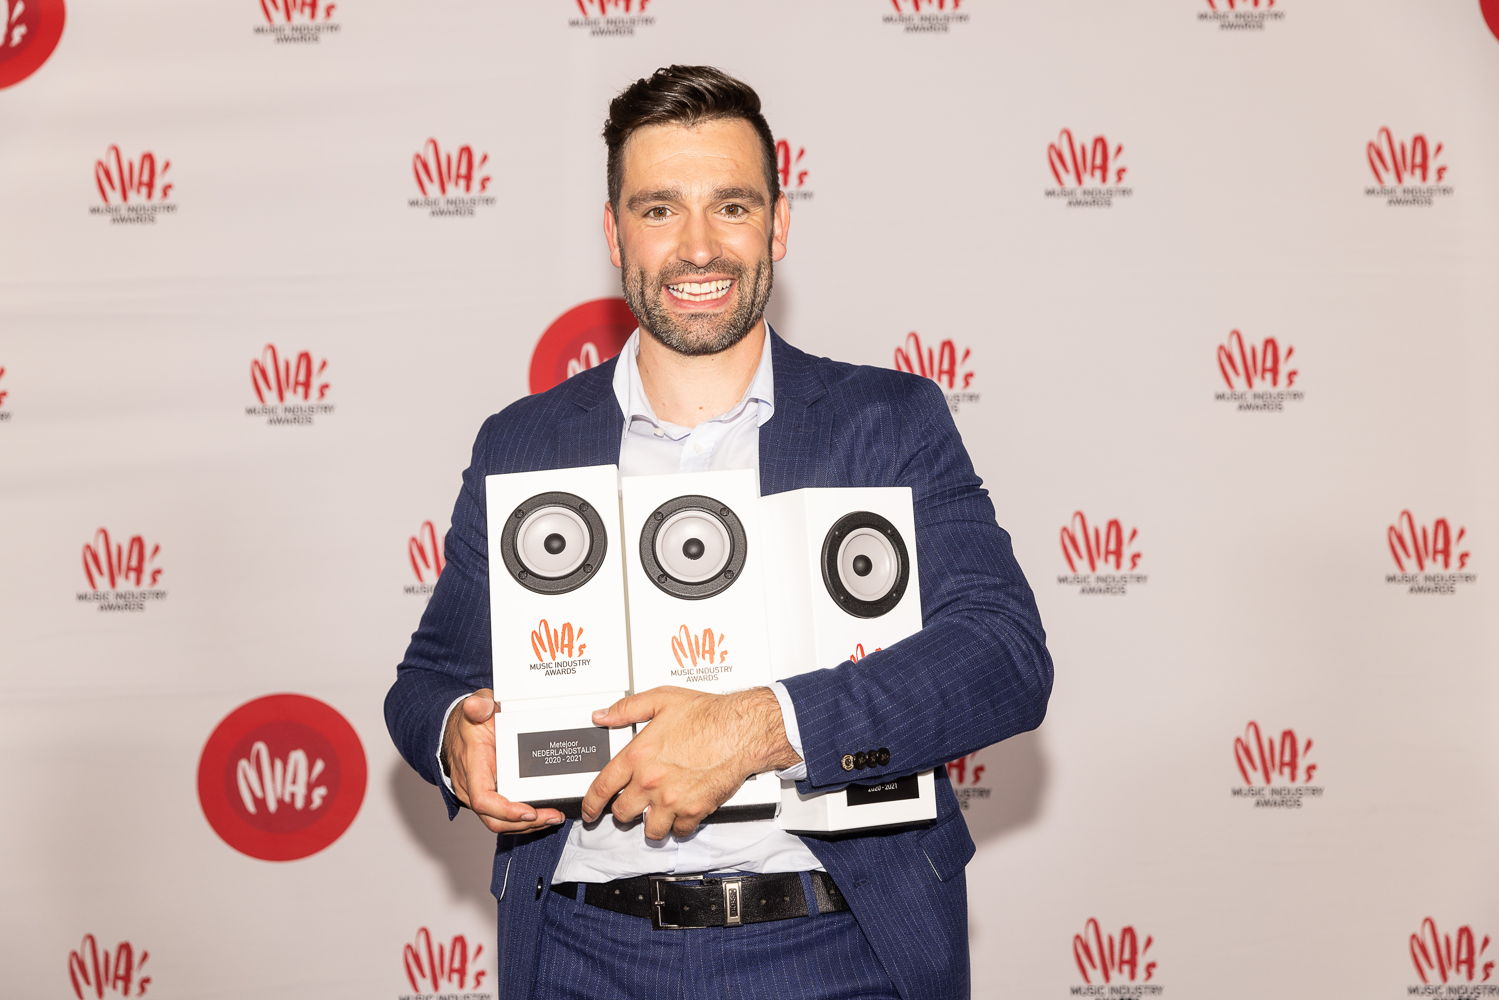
x=468 y=746
x=696 y=752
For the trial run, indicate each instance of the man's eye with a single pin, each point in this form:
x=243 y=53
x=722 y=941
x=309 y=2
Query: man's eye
x=657 y=212
x=735 y=211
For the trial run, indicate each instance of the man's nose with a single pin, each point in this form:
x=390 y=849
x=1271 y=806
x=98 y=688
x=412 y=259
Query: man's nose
x=699 y=243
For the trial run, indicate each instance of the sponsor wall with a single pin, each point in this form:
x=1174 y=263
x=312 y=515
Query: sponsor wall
x=1209 y=286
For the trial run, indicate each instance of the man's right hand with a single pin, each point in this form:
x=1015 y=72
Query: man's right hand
x=468 y=746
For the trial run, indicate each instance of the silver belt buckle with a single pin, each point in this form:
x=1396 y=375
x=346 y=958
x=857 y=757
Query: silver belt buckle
x=657 y=902
x=732 y=916
x=733 y=900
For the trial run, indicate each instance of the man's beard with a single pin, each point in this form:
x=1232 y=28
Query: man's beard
x=701 y=333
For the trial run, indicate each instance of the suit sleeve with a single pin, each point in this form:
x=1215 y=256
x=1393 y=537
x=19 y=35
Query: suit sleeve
x=449 y=654
x=978 y=671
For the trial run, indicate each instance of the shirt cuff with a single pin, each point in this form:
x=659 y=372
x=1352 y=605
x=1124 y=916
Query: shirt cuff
x=797 y=771
x=446 y=780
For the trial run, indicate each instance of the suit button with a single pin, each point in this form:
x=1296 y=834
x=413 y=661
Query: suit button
x=847 y=762
x=861 y=760
x=882 y=756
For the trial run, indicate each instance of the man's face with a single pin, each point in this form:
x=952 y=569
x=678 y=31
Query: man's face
x=696 y=233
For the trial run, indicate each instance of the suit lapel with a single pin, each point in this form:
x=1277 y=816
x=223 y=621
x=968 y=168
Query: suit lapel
x=592 y=435
x=795 y=442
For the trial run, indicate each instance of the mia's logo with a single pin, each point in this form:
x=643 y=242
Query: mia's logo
x=1450 y=958
x=1088 y=172
x=581 y=338
x=290 y=388
x=122 y=575
x=1101 y=558
x=281 y=777
x=424 y=550
x=4 y=413
x=943 y=362
x=859 y=654
x=1430 y=558
x=603 y=18
x=926 y=16
x=701 y=656
x=1407 y=171
x=96 y=972
x=437 y=967
x=558 y=649
x=132 y=190
x=1277 y=769
x=793 y=174
x=452 y=182
x=1257 y=376
x=29 y=32
x=1106 y=958
x=1241 y=15
x=967 y=777
x=297 y=21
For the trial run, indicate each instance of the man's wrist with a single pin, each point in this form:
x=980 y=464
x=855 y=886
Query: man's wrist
x=769 y=748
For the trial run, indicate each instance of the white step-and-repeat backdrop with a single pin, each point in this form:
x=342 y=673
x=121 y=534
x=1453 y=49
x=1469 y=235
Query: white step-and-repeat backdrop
x=1211 y=286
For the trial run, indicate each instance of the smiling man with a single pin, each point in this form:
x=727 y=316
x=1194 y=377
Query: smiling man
x=695 y=221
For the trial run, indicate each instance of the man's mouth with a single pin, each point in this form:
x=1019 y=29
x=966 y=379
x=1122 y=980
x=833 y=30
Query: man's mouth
x=700 y=291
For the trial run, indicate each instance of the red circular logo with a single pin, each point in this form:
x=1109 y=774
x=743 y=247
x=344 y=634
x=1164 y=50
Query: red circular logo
x=281 y=777
x=28 y=34
x=580 y=338
x=1490 y=10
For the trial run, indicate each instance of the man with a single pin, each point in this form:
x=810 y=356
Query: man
x=694 y=221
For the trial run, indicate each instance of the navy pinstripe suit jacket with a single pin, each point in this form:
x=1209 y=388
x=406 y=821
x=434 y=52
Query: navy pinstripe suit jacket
x=977 y=673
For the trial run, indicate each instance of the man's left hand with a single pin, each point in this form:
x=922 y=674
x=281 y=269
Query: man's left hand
x=696 y=752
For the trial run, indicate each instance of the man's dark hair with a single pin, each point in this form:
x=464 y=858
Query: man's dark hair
x=684 y=95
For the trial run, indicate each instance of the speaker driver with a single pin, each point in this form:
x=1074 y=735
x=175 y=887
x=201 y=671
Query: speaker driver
x=865 y=566
x=553 y=543
x=693 y=547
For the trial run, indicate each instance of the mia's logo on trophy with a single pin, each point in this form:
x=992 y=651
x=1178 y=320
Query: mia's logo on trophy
x=122 y=573
x=1102 y=557
x=1257 y=376
x=1089 y=173
x=97 y=973
x=1431 y=557
x=699 y=655
x=132 y=190
x=29 y=32
x=1406 y=171
x=291 y=389
x=1277 y=768
x=450 y=181
x=297 y=21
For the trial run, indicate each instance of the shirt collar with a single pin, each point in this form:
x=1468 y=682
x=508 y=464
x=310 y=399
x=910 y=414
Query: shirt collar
x=634 y=404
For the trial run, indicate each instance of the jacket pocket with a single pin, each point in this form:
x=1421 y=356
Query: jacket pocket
x=948 y=847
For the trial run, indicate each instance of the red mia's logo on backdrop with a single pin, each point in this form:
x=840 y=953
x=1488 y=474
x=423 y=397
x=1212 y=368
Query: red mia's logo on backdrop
x=433 y=967
x=98 y=974
x=1450 y=958
x=611 y=17
x=424 y=549
x=920 y=6
x=297 y=20
x=944 y=363
x=1241 y=14
x=29 y=32
x=581 y=338
x=1277 y=771
x=290 y=389
x=792 y=174
x=1088 y=172
x=966 y=775
x=553 y=645
x=1429 y=558
x=451 y=182
x=132 y=190
x=1101 y=558
x=1105 y=958
x=281 y=777
x=1259 y=376
x=926 y=15
x=4 y=413
x=121 y=575
x=1408 y=172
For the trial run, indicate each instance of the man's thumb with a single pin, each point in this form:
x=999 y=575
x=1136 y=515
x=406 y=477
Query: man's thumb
x=478 y=707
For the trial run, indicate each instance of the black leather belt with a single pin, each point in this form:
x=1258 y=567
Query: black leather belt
x=676 y=901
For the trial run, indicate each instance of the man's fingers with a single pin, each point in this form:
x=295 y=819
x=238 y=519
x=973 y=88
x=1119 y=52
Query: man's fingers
x=635 y=708
x=614 y=776
x=479 y=707
x=629 y=805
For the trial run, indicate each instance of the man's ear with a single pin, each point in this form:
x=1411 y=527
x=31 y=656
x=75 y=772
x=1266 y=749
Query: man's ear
x=780 y=222
x=611 y=233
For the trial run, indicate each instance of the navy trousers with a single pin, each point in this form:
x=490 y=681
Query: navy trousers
x=592 y=953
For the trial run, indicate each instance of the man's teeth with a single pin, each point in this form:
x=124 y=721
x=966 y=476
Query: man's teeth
x=699 y=291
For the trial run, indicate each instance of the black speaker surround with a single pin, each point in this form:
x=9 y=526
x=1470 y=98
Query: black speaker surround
x=865 y=565
x=553 y=543
x=693 y=547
